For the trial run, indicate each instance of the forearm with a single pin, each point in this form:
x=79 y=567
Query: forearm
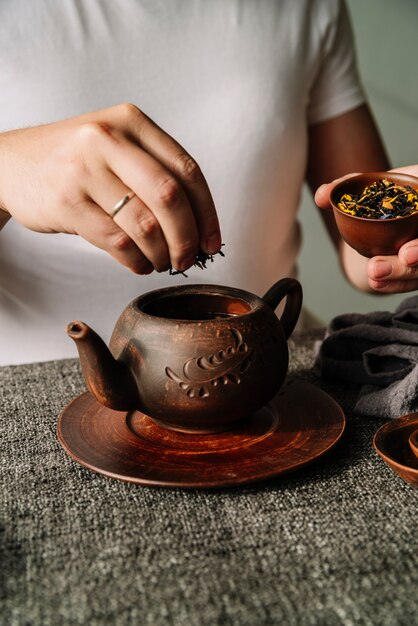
x=354 y=267
x=348 y=143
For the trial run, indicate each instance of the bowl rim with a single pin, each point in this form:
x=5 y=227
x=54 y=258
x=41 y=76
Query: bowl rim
x=384 y=431
x=391 y=175
x=413 y=441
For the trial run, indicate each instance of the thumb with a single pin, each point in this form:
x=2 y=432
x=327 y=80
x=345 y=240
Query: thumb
x=322 y=194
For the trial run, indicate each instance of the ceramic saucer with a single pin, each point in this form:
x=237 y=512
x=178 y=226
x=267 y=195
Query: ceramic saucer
x=391 y=441
x=413 y=442
x=297 y=427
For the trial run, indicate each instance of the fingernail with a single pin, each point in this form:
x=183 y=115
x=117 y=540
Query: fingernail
x=411 y=255
x=322 y=188
x=213 y=243
x=187 y=262
x=382 y=269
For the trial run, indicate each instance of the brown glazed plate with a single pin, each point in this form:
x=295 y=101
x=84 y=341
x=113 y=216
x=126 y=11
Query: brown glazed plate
x=391 y=441
x=297 y=427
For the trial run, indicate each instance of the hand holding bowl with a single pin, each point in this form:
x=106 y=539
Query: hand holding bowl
x=374 y=237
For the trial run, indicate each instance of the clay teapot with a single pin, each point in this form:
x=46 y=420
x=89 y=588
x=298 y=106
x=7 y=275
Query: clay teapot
x=195 y=358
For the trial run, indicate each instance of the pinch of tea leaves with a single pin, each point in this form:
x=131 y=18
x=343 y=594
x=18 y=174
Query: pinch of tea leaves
x=200 y=261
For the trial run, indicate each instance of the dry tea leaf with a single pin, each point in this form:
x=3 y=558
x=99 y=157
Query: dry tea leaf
x=381 y=200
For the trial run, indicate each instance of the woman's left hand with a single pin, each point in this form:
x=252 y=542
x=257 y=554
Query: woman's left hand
x=385 y=274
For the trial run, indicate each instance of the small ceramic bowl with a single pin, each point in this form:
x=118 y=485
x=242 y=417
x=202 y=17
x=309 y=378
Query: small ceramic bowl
x=391 y=442
x=372 y=237
x=413 y=442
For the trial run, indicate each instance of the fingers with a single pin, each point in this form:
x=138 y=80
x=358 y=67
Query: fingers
x=158 y=189
x=386 y=274
x=322 y=196
x=135 y=218
x=412 y=170
x=170 y=154
x=395 y=274
x=165 y=178
x=142 y=226
x=93 y=161
x=96 y=227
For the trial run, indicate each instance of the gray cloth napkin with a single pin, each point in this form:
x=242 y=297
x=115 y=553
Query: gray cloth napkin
x=378 y=351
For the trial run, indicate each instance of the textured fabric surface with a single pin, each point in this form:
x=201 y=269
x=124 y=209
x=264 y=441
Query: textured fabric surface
x=334 y=543
x=378 y=350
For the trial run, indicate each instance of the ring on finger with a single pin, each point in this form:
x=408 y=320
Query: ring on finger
x=121 y=203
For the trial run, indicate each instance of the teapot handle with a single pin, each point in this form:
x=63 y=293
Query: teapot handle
x=291 y=288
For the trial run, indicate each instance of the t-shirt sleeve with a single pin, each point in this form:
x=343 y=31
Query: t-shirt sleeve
x=337 y=87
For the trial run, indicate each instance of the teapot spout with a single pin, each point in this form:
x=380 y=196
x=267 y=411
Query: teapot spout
x=108 y=379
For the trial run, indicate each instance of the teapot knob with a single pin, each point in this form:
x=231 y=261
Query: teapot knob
x=292 y=290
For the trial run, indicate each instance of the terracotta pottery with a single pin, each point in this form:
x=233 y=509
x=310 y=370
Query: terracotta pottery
x=297 y=427
x=368 y=236
x=413 y=442
x=392 y=443
x=195 y=358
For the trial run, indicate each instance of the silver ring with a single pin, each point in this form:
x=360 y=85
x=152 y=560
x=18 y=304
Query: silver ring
x=119 y=205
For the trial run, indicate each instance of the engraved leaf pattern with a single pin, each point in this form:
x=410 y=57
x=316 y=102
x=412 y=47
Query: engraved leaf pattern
x=225 y=367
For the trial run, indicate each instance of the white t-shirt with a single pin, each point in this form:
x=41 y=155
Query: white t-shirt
x=236 y=82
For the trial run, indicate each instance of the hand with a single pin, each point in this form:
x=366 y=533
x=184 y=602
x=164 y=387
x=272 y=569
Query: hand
x=385 y=274
x=66 y=177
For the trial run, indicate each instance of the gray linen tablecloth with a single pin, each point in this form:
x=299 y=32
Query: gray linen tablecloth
x=334 y=543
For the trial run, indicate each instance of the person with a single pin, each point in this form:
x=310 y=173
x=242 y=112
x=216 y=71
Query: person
x=384 y=274
x=235 y=105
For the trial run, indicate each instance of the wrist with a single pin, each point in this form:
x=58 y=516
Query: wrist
x=355 y=268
